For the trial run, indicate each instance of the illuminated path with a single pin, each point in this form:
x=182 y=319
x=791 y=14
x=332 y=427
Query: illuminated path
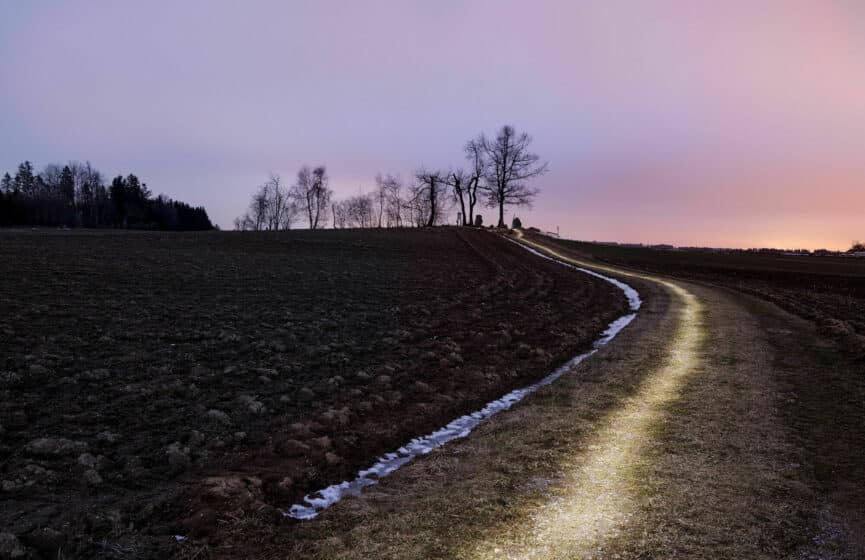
x=596 y=497
x=668 y=442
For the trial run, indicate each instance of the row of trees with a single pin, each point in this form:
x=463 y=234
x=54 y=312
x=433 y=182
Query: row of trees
x=76 y=195
x=277 y=206
x=496 y=173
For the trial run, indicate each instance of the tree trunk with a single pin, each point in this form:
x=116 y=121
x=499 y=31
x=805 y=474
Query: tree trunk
x=432 y=200
x=380 y=209
x=473 y=197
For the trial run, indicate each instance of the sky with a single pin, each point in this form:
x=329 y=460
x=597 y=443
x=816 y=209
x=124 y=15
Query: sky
x=734 y=124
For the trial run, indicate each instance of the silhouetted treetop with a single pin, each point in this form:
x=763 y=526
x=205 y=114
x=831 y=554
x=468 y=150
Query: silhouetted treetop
x=509 y=165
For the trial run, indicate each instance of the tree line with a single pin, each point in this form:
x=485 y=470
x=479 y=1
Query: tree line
x=495 y=173
x=76 y=195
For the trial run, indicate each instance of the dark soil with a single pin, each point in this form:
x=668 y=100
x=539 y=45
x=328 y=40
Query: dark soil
x=154 y=384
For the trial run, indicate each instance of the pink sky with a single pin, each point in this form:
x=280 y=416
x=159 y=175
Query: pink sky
x=694 y=123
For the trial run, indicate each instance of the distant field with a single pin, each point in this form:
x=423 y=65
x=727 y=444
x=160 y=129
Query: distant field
x=135 y=364
x=727 y=260
x=827 y=290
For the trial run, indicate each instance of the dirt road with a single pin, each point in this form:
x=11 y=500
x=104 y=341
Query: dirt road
x=675 y=441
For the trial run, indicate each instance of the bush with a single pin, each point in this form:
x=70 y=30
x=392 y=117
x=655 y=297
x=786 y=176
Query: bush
x=516 y=223
x=479 y=221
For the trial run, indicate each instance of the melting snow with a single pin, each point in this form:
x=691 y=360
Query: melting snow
x=461 y=427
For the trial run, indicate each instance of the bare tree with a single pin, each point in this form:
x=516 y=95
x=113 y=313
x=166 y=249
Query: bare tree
x=429 y=186
x=340 y=213
x=474 y=151
x=509 y=165
x=90 y=194
x=279 y=213
x=271 y=208
x=389 y=199
x=380 y=196
x=258 y=209
x=355 y=212
x=311 y=194
x=458 y=180
x=289 y=216
x=417 y=206
x=51 y=177
x=361 y=211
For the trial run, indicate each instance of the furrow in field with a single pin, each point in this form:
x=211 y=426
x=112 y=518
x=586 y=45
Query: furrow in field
x=314 y=503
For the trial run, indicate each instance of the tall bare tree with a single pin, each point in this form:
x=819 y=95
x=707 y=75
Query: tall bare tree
x=311 y=194
x=258 y=210
x=279 y=206
x=477 y=166
x=458 y=180
x=380 y=196
x=509 y=165
x=429 y=187
x=389 y=199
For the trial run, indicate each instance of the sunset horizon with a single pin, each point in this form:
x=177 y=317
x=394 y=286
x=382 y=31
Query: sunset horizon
x=668 y=122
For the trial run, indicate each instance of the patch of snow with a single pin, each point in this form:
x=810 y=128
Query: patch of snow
x=633 y=295
x=461 y=427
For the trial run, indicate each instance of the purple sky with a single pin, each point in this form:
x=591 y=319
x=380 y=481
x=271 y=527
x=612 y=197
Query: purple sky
x=710 y=123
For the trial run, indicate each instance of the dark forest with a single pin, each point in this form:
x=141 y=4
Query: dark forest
x=76 y=195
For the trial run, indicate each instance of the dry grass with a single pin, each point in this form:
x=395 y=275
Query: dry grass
x=442 y=504
x=603 y=489
x=670 y=442
x=723 y=476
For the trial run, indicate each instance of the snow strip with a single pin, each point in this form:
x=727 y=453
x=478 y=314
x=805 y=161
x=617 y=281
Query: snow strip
x=461 y=427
